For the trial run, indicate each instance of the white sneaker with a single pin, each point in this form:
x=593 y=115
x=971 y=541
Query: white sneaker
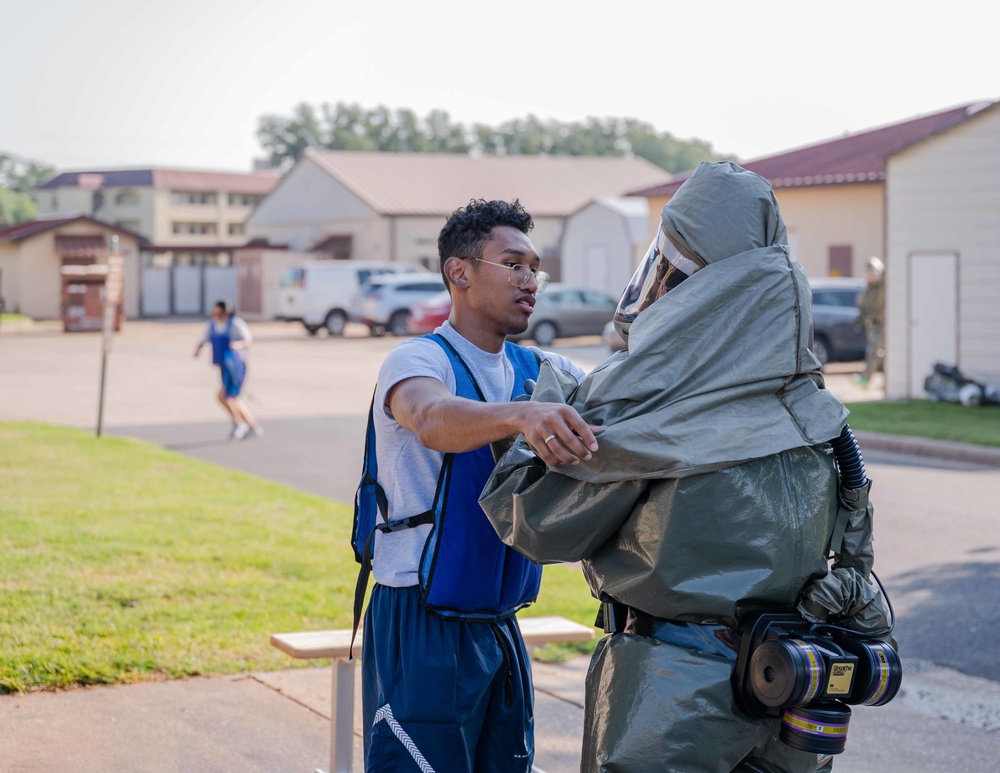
x=239 y=431
x=257 y=431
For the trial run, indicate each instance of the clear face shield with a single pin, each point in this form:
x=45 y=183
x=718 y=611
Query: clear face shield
x=660 y=271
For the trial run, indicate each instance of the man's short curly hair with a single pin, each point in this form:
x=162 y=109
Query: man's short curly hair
x=468 y=228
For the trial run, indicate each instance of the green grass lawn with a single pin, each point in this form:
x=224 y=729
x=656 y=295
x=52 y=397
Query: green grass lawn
x=923 y=418
x=124 y=562
x=9 y=317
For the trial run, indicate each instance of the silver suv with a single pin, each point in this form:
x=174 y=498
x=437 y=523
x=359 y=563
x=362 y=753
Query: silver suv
x=383 y=302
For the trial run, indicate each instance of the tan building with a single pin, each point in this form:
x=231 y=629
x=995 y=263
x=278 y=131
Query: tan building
x=192 y=219
x=924 y=194
x=182 y=209
x=32 y=256
x=391 y=206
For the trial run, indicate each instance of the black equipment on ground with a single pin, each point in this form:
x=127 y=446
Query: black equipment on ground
x=807 y=674
x=947 y=383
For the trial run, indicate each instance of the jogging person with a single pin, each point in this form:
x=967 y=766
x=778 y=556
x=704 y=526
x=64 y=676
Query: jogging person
x=230 y=338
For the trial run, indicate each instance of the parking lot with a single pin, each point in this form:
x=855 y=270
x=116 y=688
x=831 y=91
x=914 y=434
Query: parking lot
x=310 y=393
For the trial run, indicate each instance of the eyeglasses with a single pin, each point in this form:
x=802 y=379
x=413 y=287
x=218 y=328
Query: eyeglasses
x=520 y=275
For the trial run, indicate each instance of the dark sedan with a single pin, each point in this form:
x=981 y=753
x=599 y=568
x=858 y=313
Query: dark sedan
x=838 y=335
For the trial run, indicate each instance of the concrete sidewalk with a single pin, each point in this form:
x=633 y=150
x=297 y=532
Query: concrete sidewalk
x=279 y=721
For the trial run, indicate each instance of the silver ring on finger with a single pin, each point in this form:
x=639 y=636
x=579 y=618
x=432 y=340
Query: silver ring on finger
x=550 y=437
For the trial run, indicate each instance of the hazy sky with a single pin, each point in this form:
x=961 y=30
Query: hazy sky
x=114 y=83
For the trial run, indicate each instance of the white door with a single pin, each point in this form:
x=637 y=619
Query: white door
x=595 y=268
x=933 y=316
x=155 y=291
x=187 y=290
x=220 y=284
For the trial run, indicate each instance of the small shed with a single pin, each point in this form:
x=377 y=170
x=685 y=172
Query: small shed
x=33 y=254
x=603 y=242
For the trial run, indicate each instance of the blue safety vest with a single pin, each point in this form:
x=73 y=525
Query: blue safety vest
x=227 y=358
x=466 y=572
x=220 y=341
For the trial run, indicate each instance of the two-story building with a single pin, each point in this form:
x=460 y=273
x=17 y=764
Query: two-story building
x=193 y=220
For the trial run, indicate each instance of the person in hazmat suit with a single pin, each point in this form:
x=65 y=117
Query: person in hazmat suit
x=715 y=488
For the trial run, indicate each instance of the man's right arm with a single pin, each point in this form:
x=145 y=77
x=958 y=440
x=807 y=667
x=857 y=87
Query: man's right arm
x=443 y=422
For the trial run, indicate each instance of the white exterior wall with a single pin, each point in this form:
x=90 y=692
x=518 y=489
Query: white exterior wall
x=40 y=288
x=597 y=228
x=546 y=236
x=820 y=217
x=414 y=240
x=943 y=196
x=309 y=205
x=10 y=277
x=68 y=201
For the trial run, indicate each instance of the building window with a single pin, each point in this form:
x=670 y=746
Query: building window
x=243 y=199
x=840 y=259
x=236 y=229
x=335 y=247
x=191 y=197
x=158 y=259
x=127 y=198
x=194 y=228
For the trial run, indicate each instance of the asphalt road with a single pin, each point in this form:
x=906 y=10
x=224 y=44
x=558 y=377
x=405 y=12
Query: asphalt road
x=938 y=542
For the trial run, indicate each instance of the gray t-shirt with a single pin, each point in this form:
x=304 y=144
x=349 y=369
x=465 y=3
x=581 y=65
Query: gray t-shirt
x=407 y=470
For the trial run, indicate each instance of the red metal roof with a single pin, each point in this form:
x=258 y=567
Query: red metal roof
x=21 y=231
x=853 y=158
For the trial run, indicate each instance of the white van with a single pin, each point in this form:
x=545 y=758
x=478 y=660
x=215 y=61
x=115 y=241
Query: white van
x=318 y=293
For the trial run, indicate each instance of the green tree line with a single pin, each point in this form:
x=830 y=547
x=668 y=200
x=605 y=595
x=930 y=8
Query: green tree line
x=352 y=127
x=18 y=178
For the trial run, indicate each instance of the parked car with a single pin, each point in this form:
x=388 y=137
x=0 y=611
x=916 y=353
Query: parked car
x=427 y=316
x=838 y=334
x=563 y=311
x=384 y=301
x=613 y=338
x=318 y=293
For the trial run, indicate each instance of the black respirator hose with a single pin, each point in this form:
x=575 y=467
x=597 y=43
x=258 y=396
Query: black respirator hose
x=851 y=467
x=849 y=461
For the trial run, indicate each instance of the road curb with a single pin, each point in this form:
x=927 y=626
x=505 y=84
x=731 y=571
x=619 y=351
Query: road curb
x=937 y=449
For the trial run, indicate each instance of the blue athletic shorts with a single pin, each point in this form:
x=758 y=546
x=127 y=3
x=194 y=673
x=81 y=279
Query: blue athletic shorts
x=234 y=371
x=443 y=696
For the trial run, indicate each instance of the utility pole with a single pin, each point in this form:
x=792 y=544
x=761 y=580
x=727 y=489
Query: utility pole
x=113 y=286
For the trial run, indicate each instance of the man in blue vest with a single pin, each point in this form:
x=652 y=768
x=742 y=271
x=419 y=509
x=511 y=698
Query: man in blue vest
x=446 y=678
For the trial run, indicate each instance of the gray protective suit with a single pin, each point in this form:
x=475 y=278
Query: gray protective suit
x=714 y=488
